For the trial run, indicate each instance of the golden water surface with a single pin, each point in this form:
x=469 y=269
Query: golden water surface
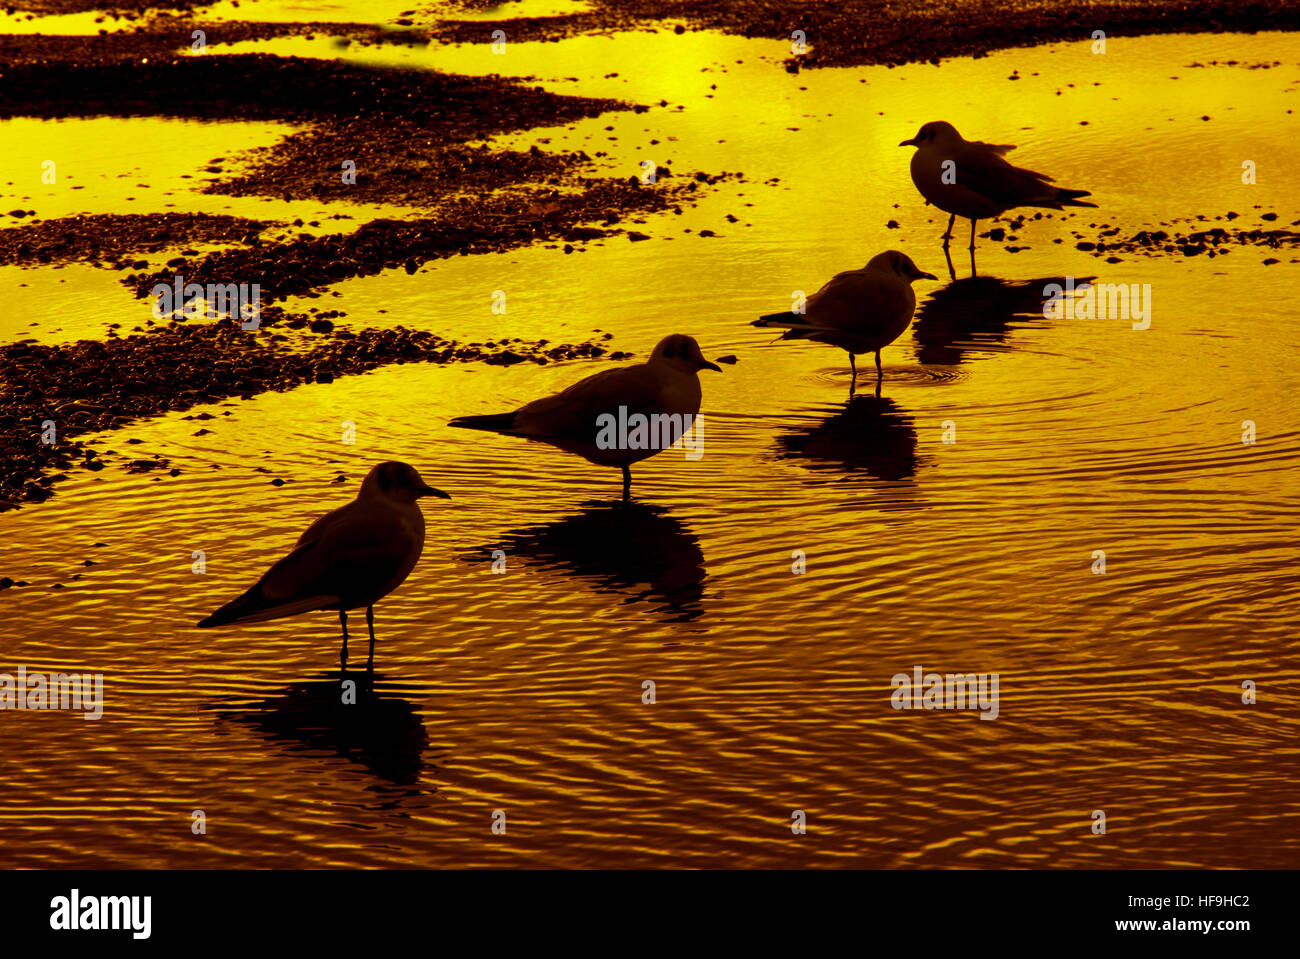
x=1120 y=691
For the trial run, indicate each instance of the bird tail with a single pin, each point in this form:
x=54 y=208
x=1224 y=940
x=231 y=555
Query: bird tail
x=254 y=607
x=786 y=319
x=493 y=422
x=1068 y=197
x=795 y=326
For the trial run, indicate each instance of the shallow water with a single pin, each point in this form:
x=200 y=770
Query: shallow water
x=523 y=692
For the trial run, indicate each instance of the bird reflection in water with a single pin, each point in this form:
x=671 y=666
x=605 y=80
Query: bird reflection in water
x=972 y=313
x=869 y=434
x=381 y=732
x=637 y=549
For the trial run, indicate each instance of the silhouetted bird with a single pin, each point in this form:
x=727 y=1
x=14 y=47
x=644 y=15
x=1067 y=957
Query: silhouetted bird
x=971 y=179
x=351 y=557
x=861 y=311
x=589 y=417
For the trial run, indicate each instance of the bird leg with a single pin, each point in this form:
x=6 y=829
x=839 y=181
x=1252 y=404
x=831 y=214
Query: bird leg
x=972 y=247
x=853 y=383
x=627 y=483
x=343 y=656
x=370 y=622
x=880 y=374
x=952 y=272
x=948 y=233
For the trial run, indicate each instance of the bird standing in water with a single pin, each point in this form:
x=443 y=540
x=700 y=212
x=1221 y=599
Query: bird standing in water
x=861 y=311
x=971 y=179
x=665 y=391
x=349 y=558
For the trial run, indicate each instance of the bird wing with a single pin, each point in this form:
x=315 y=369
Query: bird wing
x=353 y=552
x=998 y=148
x=321 y=524
x=856 y=300
x=572 y=413
x=984 y=171
x=342 y=552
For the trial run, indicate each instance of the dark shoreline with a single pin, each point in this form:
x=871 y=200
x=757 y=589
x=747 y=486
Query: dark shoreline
x=844 y=33
x=894 y=32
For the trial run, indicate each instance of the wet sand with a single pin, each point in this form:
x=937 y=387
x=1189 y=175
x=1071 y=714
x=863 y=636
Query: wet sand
x=837 y=34
x=890 y=32
x=1193 y=237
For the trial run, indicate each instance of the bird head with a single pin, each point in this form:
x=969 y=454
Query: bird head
x=891 y=261
x=936 y=133
x=681 y=352
x=399 y=482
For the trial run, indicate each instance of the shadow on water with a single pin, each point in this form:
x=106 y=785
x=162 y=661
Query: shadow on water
x=378 y=731
x=868 y=434
x=975 y=312
x=636 y=549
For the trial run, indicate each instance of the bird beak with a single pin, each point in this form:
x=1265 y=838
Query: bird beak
x=430 y=491
x=926 y=276
x=908 y=143
x=706 y=365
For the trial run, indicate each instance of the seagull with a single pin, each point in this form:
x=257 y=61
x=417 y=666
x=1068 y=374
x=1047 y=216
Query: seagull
x=664 y=392
x=861 y=311
x=971 y=179
x=351 y=557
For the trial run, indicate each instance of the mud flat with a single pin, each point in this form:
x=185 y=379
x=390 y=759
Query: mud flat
x=845 y=33
x=1194 y=236
x=112 y=239
x=92 y=386
x=411 y=136
x=851 y=32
